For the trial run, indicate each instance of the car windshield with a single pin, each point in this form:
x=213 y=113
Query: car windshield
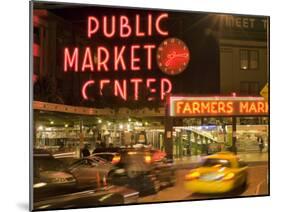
x=210 y=162
x=107 y=157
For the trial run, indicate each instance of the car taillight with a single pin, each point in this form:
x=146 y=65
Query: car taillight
x=115 y=159
x=192 y=176
x=228 y=176
x=147 y=159
x=158 y=156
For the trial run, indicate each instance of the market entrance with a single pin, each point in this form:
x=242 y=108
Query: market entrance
x=205 y=125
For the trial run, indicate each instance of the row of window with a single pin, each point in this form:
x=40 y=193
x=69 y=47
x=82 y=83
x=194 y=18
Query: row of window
x=249 y=60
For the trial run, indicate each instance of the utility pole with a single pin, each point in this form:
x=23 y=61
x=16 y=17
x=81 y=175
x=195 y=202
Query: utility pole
x=168 y=137
x=234 y=136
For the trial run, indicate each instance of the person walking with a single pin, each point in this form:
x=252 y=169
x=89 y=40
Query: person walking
x=261 y=143
x=85 y=151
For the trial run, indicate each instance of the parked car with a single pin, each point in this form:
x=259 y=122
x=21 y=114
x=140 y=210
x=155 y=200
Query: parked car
x=219 y=173
x=50 y=175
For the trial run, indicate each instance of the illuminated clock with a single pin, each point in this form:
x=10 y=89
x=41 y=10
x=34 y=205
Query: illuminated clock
x=173 y=56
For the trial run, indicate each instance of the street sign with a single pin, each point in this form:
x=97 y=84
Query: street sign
x=264 y=92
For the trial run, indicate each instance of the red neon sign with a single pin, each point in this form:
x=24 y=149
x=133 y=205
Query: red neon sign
x=73 y=61
x=127 y=26
x=120 y=87
x=102 y=59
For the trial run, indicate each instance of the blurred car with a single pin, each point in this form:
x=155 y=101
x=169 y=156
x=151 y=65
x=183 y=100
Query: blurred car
x=219 y=173
x=155 y=160
x=50 y=175
x=90 y=172
x=164 y=169
x=131 y=167
x=111 y=195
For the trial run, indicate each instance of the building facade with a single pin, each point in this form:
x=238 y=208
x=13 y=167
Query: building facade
x=229 y=54
x=243 y=54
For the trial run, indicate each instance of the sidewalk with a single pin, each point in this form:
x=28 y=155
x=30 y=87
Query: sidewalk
x=251 y=158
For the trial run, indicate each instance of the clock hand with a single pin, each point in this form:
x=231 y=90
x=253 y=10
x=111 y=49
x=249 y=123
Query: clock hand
x=174 y=55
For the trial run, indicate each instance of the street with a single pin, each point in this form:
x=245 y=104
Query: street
x=257 y=185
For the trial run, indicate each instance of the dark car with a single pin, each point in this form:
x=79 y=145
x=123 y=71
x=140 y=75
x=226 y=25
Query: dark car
x=164 y=169
x=136 y=169
x=111 y=195
x=131 y=167
x=155 y=159
x=55 y=187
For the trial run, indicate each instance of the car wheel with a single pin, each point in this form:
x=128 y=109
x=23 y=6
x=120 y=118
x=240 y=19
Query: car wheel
x=110 y=177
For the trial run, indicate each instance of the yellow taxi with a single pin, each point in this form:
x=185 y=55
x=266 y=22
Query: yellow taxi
x=219 y=173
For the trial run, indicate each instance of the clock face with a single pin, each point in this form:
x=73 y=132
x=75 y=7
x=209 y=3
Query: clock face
x=173 y=56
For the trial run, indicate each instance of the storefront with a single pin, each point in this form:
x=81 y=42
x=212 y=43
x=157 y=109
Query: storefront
x=204 y=125
x=63 y=128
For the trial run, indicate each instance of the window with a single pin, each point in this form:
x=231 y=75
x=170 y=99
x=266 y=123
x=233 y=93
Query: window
x=253 y=59
x=216 y=162
x=252 y=88
x=249 y=59
x=244 y=59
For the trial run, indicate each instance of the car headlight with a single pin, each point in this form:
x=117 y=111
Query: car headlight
x=39 y=185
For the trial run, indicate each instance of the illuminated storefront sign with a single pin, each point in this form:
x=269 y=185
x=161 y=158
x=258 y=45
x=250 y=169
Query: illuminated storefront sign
x=133 y=58
x=217 y=106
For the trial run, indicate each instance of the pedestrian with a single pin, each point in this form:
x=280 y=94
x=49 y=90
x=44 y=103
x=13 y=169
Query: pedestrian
x=85 y=151
x=261 y=143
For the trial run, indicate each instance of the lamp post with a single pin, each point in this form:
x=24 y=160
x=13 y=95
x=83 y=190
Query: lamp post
x=168 y=138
